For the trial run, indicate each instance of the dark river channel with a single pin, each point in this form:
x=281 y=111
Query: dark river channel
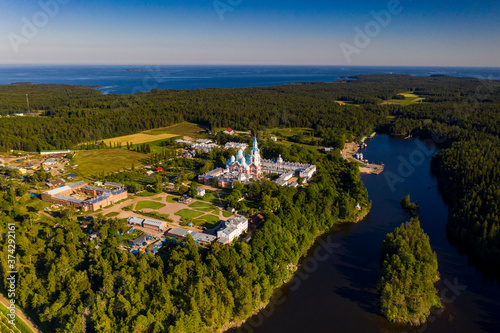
x=335 y=288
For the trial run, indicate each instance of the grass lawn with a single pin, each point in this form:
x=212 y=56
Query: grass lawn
x=112 y=214
x=184 y=129
x=216 y=212
x=172 y=199
x=94 y=162
x=158 y=216
x=206 y=210
x=200 y=205
x=149 y=204
x=226 y=214
x=145 y=194
x=188 y=214
x=157 y=199
x=208 y=221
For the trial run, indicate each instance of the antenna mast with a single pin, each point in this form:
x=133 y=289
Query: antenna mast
x=28 y=103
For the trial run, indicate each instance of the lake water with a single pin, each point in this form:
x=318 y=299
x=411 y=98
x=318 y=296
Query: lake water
x=131 y=79
x=339 y=293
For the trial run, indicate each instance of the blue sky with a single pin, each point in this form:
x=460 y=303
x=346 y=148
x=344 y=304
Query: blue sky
x=420 y=33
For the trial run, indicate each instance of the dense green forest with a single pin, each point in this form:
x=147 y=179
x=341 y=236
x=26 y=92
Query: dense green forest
x=410 y=207
x=461 y=114
x=72 y=284
x=69 y=120
x=409 y=271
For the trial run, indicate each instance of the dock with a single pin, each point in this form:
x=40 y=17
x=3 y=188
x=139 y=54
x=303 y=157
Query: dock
x=350 y=149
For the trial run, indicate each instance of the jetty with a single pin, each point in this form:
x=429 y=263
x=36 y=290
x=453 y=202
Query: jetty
x=351 y=150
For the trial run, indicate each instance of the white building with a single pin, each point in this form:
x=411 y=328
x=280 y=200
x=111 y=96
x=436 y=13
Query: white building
x=236 y=145
x=281 y=167
x=308 y=172
x=232 y=229
x=135 y=220
x=200 y=191
x=229 y=131
x=50 y=161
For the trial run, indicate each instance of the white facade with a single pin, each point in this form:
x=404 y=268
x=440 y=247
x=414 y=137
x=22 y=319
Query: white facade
x=284 y=168
x=233 y=229
x=236 y=145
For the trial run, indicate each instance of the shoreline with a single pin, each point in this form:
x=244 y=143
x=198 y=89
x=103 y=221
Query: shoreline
x=362 y=214
x=350 y=149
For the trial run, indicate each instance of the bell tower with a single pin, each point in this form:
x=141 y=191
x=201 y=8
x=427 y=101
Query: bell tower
x=255 y=167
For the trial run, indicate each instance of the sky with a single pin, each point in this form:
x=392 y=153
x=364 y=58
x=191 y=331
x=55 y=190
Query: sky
x=251 y=32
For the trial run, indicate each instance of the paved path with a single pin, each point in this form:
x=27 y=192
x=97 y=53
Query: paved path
x=21 y=316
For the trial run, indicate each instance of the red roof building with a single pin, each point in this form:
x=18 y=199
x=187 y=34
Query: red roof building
x=256 y=221
x=159 y=169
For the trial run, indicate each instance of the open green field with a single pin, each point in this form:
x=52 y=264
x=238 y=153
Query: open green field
x=138 y=138
x=208 y=221
x=227 y=214
x=149 y=204
x=202 y=206
x=93 y=162
x=410 y=98
x=112 y=214
x=188 y=214
x=172 y=199
x=184 y=129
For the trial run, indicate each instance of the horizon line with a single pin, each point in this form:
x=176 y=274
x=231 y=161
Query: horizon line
x=261 y=65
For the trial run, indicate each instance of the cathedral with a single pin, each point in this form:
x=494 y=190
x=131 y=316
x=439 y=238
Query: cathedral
x=249 y=165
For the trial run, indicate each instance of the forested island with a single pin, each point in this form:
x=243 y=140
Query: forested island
x=409 y=271
x=409 y=206
x=69 y=284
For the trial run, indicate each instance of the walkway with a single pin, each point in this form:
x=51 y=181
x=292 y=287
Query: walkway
x=30 y=323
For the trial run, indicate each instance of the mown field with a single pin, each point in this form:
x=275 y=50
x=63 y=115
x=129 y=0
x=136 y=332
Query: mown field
x=138 y=138
x=91 y=163
x=410 y=98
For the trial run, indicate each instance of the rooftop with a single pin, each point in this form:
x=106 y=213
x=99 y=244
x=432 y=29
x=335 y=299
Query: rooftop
x=198 y=236
x=178 y=232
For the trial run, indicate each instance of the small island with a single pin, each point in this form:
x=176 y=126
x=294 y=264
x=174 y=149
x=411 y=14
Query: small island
x=410 y=207
x=409 y=271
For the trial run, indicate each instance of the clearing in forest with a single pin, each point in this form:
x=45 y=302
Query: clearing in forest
x=94 y=162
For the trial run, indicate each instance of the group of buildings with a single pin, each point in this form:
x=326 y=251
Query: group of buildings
x=206 y=145
x=231 y=230
x=154 y=225
x=86 y=197
x=251 y=167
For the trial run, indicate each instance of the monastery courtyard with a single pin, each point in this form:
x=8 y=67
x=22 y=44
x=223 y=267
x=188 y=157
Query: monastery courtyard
x=199 y=212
